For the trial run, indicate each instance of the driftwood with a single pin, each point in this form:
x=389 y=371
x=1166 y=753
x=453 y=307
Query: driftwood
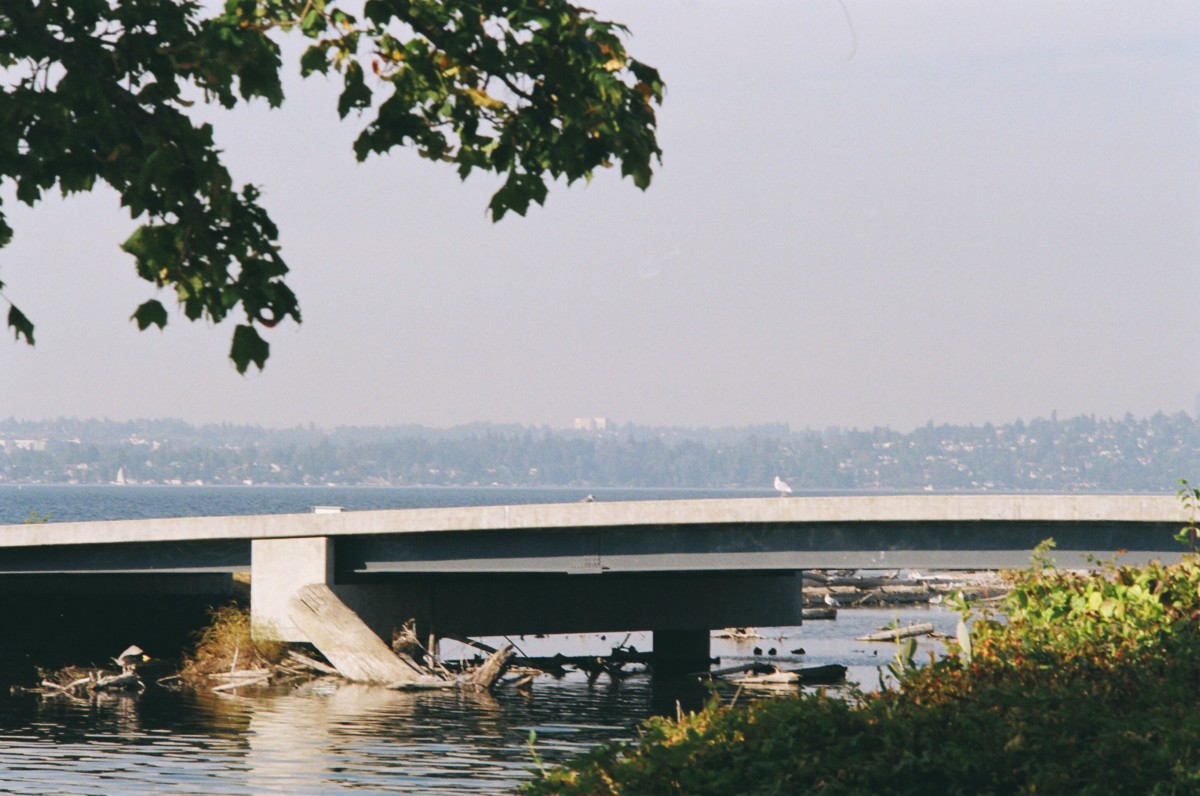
x=359 y=655
x=754 y=668
x=526 y=678
x=765 y=674
x=311 y=663
x=73 y=681
x=240 y=674
x=346 y=642
x=811 y=614
x=246 y=677
x=897 y=633
x=773 y=678
x=821 y=675
x=484 y=677
x=739 y=633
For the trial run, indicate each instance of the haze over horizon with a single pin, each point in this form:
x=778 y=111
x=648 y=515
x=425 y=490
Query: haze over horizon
x=881 y=215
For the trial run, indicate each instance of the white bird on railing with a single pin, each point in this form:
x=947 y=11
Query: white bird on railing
x=781 y=485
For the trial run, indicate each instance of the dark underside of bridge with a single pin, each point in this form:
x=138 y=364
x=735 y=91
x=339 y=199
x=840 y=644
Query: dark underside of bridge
x=669 y=579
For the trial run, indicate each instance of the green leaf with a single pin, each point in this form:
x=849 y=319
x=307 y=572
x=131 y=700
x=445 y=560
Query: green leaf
x=151 y=312
x=313 y=22
x=530 y=91
x=248 y=347
x=21 y=326
x=356 y=94
x=314 y=60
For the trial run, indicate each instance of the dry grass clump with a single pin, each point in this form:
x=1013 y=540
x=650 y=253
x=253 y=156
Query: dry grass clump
x=226 y=645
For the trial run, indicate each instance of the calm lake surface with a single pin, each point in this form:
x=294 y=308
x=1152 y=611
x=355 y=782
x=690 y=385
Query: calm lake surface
x=324 y=737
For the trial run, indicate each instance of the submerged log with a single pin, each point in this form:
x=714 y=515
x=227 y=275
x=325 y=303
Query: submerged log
x=897 y=633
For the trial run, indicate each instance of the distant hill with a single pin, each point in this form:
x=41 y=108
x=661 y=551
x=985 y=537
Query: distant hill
x=1076 y=454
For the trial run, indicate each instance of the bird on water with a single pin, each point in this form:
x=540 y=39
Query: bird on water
x=782 y=486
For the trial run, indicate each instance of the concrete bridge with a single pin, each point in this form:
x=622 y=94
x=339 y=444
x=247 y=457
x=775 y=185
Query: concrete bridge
x=678 y=568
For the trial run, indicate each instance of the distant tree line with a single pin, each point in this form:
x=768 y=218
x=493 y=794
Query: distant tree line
x=1076 y=454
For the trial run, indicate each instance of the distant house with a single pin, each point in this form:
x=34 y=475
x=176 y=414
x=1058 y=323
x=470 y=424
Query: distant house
x=591 y=423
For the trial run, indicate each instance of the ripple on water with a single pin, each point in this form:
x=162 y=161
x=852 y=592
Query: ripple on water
x=321 y=738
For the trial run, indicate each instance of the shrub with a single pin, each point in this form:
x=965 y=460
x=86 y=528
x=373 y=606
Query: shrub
x=226 y=643
x=1077 y=683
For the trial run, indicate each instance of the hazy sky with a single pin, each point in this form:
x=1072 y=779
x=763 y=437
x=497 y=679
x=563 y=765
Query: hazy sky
x=950 y=211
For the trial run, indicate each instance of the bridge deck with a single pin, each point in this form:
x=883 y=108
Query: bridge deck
x=679 y=513
x=946 y=531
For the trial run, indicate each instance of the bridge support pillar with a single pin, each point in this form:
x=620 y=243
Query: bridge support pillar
x=278 y=569
x=678 y=652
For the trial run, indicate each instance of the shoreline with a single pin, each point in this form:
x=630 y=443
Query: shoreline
x=852 y=589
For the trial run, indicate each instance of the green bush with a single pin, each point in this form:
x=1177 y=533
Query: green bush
x=1075 y=684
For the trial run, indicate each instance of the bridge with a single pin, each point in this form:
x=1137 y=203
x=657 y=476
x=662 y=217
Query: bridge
x=678 y=568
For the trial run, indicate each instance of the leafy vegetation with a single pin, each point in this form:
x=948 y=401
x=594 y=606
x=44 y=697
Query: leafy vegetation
x=94 y=91
x=1077 y=684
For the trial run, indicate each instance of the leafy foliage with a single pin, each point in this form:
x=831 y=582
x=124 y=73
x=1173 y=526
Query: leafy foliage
x=533 y=90
x=1083 y=683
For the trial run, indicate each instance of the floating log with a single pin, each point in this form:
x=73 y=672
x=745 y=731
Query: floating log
x=889 y=597
x=863 y=583
x=245 y=678
x=347 y=643
x=821 y=675
x=897 y=633
x=754 y=668
x=739 y=633
x=119 y=682
x=770 y=679
x=240 y=674
x=765 y=674
x=811 y=614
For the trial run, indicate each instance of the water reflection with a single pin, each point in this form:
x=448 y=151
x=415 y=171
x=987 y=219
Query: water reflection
x=325 y=737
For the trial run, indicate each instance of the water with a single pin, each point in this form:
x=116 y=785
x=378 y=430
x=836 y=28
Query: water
x=85 y=502
x=324 y=737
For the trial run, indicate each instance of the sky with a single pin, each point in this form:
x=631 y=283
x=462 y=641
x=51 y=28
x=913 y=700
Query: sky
x=869 y=213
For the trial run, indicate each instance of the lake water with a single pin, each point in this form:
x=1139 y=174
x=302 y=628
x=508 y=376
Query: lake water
x=324 y=737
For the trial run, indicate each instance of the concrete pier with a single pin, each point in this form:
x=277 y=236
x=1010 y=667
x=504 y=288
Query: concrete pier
x=679 y=652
